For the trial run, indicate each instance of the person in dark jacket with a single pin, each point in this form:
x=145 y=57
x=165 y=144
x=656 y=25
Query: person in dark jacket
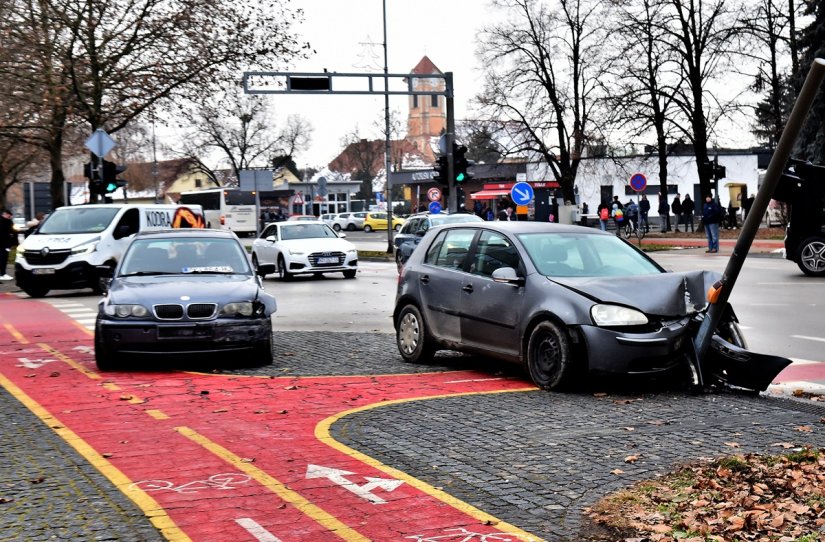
x=664 y=210
x=711 y=216
x=644 y=210
x=8 y=240
x=688 y=209
x=676 y=207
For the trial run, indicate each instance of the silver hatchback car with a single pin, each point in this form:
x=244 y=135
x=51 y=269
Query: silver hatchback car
x=562 y=300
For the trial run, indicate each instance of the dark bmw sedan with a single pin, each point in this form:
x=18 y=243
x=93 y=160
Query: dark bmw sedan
x=562 y=300
x=182 y=292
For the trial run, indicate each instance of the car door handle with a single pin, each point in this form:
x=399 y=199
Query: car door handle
x=424 y=278
x=468 y=288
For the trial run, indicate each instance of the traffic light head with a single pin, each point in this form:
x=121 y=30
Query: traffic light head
x=460 y=163
x=440 y=174
x=110 y=180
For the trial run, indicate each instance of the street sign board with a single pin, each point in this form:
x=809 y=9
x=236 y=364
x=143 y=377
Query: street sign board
x=521 y=193
x=100 y=143
x=434 y=194
x=521 y=177
x=435 y=207
x=255 y=180
x=638 y=182
x=298 y=200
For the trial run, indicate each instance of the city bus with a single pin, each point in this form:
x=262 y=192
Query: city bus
x=225 y=208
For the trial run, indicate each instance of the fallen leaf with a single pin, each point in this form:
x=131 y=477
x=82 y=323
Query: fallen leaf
x=600 y=394
x=291 y=388
x=629 y=428
x=107 y=454
x=804 y=429
x=617 y=472
x=732 y=444
x=39 y=480
x=55 y=373
x=247 y=460
x=220 y=410
x=126 y=397
x=658 y=422
x=631 y=459
x=785 y=445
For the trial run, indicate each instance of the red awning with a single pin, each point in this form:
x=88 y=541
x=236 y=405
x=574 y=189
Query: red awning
x=490 y=194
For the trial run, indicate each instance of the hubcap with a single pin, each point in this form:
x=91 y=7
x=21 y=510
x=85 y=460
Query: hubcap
x=409 y=333
x=813 y=256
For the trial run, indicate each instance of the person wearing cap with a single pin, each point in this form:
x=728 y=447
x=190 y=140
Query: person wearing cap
x=8 y=240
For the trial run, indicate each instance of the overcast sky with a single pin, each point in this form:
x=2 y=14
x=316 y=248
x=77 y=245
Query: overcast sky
x=340 y=30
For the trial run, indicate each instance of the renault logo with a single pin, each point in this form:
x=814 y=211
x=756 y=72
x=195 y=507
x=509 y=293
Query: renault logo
x=44 y=251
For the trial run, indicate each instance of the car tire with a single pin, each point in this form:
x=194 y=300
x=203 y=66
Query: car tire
x=350 y=273
x=811 y=256
x=411 y=336
x=549 y=361
x=336 y=227
x=263 y=353
x=368 y=228
x=731 y=332
x=255 y=265
x=350 y=227
x=33 y=289
x=398 y=228
x=103 y=358
x=282 y=272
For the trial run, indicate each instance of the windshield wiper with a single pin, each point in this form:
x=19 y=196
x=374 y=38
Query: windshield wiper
x=145 y=273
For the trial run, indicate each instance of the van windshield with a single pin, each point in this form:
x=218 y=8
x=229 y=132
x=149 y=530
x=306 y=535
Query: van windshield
x=78 y=220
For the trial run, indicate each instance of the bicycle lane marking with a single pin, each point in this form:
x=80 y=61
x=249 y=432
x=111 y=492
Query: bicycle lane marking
x=290 y=447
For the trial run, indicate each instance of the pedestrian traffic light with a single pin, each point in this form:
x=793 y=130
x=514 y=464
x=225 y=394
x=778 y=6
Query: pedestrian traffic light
x=460 y=164
x=110 y=180
x=440 y=171
x=718 y=172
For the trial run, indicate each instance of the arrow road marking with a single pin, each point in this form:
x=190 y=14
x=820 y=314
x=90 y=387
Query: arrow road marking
x=84 y=349
x=255 y=529
x=34 y=363
x=337 y=476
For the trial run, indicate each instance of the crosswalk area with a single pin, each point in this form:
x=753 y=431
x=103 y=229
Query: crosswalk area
x=77 y=311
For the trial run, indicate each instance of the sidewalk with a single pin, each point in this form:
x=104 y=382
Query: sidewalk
x=727 y=240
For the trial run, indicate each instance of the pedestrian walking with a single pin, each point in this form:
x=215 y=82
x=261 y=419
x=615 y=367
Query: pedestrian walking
x=8 y=240
x=663 y=210
x=711 y=216
x=644 y=210
x=688 y=208
x=604 y=215
x=676 y=207
x=617 y=212
x=584 y=211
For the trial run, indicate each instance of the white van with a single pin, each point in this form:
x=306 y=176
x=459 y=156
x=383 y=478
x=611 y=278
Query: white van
x=70 y=246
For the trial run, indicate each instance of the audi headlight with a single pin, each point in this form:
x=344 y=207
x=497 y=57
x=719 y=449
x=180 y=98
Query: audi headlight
x=237 y=309
x=615 y=315
x=296 y=252
x=125 y=311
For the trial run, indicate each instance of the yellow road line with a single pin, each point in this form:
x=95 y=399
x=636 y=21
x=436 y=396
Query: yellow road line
x=154 y=512
x=66 y=359
x=301 y=503
x=16 y=334
x=157 y=414
x=322 y=433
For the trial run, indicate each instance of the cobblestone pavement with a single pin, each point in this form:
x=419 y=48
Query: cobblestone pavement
x=533 y=459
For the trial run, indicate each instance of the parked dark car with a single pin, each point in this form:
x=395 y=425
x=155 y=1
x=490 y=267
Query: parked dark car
x=179 y=292
x=802 y=186
x=417 y=225
x=561 y=301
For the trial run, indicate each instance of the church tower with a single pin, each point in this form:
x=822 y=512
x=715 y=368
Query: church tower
x=427 y=118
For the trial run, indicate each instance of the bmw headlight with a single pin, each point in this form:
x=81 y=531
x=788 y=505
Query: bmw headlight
x=125 y=311
x=615 y=315
x=237 y=309
x=85 y=248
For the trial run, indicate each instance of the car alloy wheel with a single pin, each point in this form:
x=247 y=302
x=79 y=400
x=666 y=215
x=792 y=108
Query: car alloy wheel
x=282 y=272
x=367 y=228
x=548 y=356
x=812 y=257
x=411 y=336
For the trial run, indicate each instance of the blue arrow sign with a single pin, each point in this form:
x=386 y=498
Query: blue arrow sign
x=521 y=193
x=435 y=207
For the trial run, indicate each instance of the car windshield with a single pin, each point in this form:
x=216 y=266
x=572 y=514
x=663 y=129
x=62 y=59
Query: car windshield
x=184 y=255
x=78 y=220
x=585 y=255
x=306 y=231
x=454 y=219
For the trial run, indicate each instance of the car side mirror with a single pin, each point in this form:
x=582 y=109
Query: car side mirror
x=421 y=233
x=342 y=235
x=271 y=239
x=507 y=275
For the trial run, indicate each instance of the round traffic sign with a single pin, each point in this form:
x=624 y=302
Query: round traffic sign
x=521 y=193
x=434 y=194
x=638 y=182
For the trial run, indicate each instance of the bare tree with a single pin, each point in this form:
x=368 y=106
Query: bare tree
x=811 y=142
x=702 y=35
x=542 y=66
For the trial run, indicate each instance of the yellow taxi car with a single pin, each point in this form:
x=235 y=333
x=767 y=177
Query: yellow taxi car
x=378 y=221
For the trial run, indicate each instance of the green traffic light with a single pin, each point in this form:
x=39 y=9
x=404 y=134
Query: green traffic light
x=111 y=187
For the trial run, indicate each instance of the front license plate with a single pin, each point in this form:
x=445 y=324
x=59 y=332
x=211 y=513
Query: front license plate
x=327 y=259
x=43 y=271
x=190 y=332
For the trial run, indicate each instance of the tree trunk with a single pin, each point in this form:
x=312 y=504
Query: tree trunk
x=58 y=180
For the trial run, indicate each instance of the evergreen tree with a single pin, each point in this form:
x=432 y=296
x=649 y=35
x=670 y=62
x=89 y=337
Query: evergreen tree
x=811 y=142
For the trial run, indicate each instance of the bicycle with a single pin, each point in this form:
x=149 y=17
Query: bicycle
x=631 y=228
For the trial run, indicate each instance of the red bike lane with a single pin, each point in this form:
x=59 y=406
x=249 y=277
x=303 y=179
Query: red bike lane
x=223 y=457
